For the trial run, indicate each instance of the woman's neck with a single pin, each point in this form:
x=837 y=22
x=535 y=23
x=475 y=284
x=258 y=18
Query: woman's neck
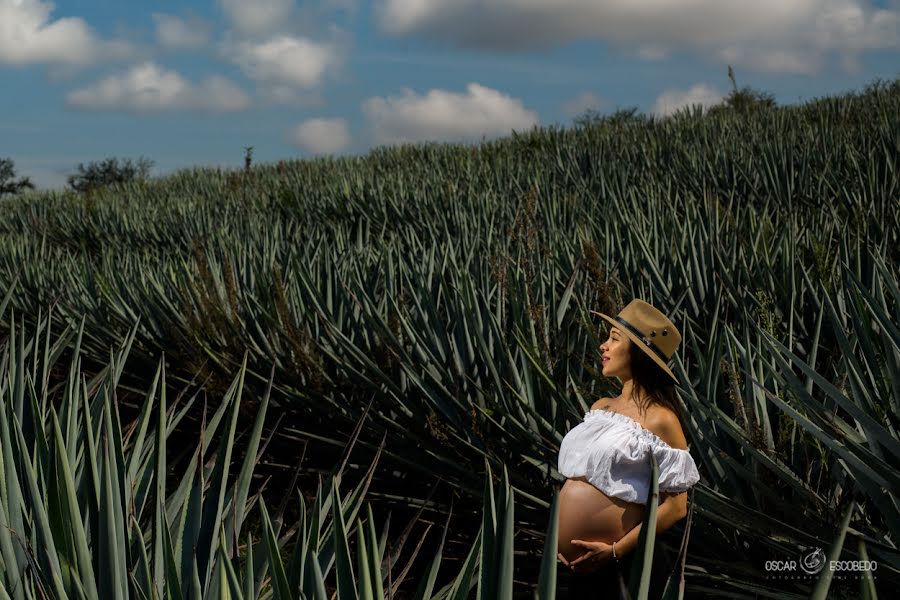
x=627 y=396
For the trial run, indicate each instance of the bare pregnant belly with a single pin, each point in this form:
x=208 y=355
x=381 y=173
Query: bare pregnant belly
x=586 y=513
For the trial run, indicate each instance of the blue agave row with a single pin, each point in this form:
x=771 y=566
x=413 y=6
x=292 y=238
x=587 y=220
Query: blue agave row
x=87 y=509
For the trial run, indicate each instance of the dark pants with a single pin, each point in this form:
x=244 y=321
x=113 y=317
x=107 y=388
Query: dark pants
x=604 y=583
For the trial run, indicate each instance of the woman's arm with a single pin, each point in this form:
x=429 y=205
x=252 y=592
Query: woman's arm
x=672 y=509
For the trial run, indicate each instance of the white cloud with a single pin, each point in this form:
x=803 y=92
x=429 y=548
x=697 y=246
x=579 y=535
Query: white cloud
x=321 y=136
x=442 y=115
x=671 y=101
x=174 y=33
x=582 y=102
x=771 y=35
x=283 y=59
x=149 y=88
x=28 y=35
x=257 y=16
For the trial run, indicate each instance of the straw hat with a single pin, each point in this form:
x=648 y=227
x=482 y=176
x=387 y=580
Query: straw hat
x=651 y=330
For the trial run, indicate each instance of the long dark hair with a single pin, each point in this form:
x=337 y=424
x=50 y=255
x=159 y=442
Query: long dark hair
x=652 y=385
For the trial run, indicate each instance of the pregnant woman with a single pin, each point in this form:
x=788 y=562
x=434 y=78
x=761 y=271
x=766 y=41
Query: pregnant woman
x=605 y=458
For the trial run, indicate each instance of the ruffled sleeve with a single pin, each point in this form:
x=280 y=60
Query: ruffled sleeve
x=677 y=470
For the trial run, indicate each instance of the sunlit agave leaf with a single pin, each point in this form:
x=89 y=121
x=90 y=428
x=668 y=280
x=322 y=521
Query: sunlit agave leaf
x=364 y=580
x=138 y=457
x=459 y=588
x=111 y=550
x=229 y=577
x=160 y=522
x=252 y=579
x=426 y=584
x=506 y=523
x=820 y=592
x=14 y=504
x=866 y=581
x=343 y=565
x=279 y=579
x=375 y=553
x=238 y=494
x=211 y=519
x=546 y=589
x=639 y=582
x=674 y=589
x=872 y=482
x=176 y=500
x=71 y=515
x=872 y=427
x=195 y=591
x=314 y=582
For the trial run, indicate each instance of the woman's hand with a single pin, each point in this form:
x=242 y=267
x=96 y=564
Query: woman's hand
x=596 y=554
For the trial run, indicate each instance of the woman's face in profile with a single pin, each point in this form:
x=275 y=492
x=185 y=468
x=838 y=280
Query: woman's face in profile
x=614 y=354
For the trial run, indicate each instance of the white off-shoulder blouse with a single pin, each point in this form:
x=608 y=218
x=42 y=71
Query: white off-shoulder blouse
x=610 y=450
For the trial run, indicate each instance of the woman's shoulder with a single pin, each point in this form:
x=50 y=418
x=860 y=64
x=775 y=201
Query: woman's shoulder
x=600 y=403
x=663 y=421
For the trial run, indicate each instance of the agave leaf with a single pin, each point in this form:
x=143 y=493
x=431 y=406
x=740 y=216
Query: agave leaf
x=314 y=584
x=639 y=583
x=250 y=579
x=674 y=589
x=504 y=557
x=279 y=579
x=211 y=519
x=861 y=469
x=141 y=578
x=820 y=592
x=364 y=581
x=486 y=583
x=345 y=579
x=229 y=576
x=547 y=581
x=72 y=515
x=143 y=422
x=867 y=581
x=426 y=584
x=874 y=429
x=375 y=555
x=459 y=588
x=111 y=551
x=235 y=519
x=48 y=555
x=160 y=523
x=11 y=515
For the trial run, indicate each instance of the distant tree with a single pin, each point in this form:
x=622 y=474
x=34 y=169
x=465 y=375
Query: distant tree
x=588 y=117
x=110 y=171
x=8 y=183
x=745 y=99
x=621 y=116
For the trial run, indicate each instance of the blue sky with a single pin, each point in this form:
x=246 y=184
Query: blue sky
x=194 y=82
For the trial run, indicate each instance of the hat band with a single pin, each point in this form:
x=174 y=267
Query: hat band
x=643 y=338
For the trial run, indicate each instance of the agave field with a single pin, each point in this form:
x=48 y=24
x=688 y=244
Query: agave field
x=193 y=368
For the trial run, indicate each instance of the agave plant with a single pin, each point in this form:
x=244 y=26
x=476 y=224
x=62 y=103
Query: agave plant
x=87 y=509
